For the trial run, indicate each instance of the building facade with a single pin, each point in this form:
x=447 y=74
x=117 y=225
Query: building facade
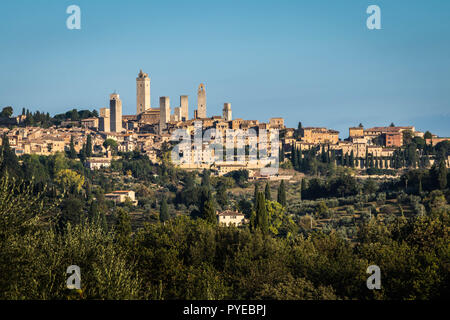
x=319 y=135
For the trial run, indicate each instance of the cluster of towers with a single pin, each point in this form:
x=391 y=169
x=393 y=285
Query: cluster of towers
x=111 y=119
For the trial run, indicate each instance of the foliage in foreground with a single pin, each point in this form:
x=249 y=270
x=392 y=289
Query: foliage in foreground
x=185 y=258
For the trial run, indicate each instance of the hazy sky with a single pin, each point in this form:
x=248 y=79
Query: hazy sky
x=309 y=61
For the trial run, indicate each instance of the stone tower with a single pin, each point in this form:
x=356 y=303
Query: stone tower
x=164 y=112
x=105 y=120
x=201 y=101
x=227 y=116
x=115 y=107
x=142 y=92
x=184 y=105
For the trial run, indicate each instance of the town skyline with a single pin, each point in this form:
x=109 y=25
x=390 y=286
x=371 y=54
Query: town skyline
x=129 y=108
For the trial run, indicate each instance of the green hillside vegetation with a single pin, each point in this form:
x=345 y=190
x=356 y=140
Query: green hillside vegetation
x=314 y=239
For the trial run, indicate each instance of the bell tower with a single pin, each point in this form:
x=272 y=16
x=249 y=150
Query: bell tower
x=142 y=92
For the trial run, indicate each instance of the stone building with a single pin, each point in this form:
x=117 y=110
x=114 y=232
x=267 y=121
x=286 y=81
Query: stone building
x=276 y=123
x=435 y=140
x=229 y=218
x=151 y=116
x=356 y=132
x=319 y=135
x=176 y=115
x=121 y=196
x=90 y=123
x=388 y=136
x=104 y=121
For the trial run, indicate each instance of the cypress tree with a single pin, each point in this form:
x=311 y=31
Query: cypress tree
x=206 y=178
x=352 y=159
x=209 y=212
x=253 y=222
x=294 y=157
x=303 y=188
x=8 y=159
x=72 y=152
x=163 y=211
x=82 y=154
x=89 y=146
x=420 y=185
x=323 y=156
x=366 y=160
x=262 y=219
x=255 y=195
x=442 y=175
x=282 y=194
x=123 y=227
x=267 y=192
x=222 y=196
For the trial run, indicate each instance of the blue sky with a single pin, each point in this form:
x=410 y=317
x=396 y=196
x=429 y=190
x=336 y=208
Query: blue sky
x=309 y=61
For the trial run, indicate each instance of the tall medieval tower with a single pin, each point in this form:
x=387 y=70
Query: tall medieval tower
x=184 y=105
x=227 y=116
x=115 y=107
x=142 y=92
x=104 y=123
x=164 y=112
x=201 y=101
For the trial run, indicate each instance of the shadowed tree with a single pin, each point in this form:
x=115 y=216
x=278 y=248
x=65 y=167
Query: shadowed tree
x=88 y=146
x=163 y=210
x=209 y=212
x=7 y=112
x=222 y=196
x=255 y=195
x=72 y=152
x=442 y=175
x=267 y=192
x=262 y=218
x=123 y=228
x=281 y=198
x=8 y=159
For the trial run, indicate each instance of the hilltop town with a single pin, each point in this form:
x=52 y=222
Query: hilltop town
x=148 y=129
x=181 y=199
